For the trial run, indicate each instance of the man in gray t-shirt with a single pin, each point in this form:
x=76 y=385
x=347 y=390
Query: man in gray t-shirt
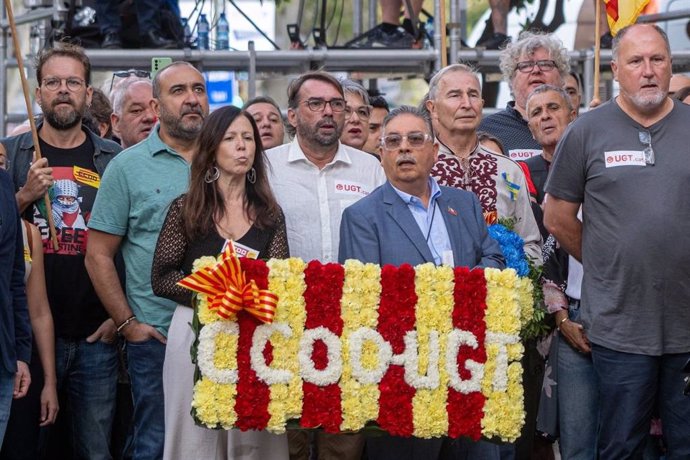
x=627 y=163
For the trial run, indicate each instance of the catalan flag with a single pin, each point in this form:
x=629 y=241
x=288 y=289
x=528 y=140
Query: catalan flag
x=622 y=13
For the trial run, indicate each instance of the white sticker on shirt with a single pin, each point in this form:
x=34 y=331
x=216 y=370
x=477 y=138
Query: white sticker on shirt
x=241 y=250
x=523 y=154
x=624 y=158
x=350 y=188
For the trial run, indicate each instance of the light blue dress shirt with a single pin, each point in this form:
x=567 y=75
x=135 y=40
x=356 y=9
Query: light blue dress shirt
x=430 y=222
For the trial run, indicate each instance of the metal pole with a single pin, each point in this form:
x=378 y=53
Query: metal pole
x=251 y=71
x=462 y=19
x=437 y=34
x=454 y=39
x=357 y=19
x=372 y=13
x=588 y=75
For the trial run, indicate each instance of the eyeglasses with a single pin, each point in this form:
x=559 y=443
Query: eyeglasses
x=646 y=138
x=544 y=65
x=74 y=84
x=363 y=112
x=415 y=140
x=129 y=73
x=317 y=104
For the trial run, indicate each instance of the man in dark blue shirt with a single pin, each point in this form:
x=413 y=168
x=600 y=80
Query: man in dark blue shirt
x=15 y=329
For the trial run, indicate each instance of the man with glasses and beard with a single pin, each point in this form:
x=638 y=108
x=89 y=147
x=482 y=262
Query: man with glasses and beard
x=314 y=178
x=627 y=161
x=85 y=335
x=127 y=216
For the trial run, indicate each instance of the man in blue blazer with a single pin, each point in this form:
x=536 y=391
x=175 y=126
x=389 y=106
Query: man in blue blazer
x=411 y=219
x=15 y=329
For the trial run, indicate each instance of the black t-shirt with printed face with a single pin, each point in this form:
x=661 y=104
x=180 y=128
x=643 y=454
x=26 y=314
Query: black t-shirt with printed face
x=77 y=311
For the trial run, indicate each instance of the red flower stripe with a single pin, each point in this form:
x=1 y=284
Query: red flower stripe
x=251 y=402
x=321 y=405
x=396 y=317
x=465 y=412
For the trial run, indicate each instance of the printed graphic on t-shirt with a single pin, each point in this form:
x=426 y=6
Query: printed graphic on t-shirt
x=71 y=199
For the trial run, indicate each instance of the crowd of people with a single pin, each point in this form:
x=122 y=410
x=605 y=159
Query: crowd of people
x=163 y=182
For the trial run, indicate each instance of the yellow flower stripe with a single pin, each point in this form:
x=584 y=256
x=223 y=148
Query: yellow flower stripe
x=206 y=316
x=286 y=280
x=524 y=288
x=213 y=402
x=434 y=309
x=359 y=308
x=504 y=407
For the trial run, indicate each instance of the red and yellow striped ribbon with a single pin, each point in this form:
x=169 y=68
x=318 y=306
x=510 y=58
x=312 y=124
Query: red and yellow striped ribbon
x=229 y=292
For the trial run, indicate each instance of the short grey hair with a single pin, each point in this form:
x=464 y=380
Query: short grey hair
x=408 y=110
x=527 y=44
x=550 y=88
x=436 y=79
x=352 y=87
x=117 y=95
x=615 y=46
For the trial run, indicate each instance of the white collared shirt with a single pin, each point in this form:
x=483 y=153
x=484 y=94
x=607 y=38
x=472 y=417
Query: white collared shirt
x=313 y=199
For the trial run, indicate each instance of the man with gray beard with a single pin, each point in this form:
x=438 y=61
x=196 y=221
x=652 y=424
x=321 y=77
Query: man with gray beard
x=314 y=178
x=86 y=364
x=622 y=163
x=128 y=215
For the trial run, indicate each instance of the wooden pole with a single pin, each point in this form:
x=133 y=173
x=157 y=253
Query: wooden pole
x=29 y=111
x=597 y=53
x=444 y=39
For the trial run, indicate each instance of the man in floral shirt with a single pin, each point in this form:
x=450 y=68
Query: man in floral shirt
x=455 y=104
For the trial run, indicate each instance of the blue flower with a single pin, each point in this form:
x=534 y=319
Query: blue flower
x=512 y=248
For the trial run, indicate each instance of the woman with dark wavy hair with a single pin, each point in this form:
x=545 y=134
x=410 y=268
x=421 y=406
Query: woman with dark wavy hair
x=229 y=199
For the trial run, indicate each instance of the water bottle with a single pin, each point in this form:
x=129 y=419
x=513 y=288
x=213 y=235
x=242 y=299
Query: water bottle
x=187 y=33
x=202 y=33
x=222 y=33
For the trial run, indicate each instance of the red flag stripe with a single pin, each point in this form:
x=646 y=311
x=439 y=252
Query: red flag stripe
x=396 y=318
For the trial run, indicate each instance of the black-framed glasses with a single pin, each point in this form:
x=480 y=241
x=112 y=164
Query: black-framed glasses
x=73 y=84
x=129 y=73
x=363 y=112
x=646 y=138
x=415 y=140
x=544 y=65
x=317 y=104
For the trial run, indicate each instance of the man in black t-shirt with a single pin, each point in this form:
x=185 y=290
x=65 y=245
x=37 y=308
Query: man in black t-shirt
x=86 y=362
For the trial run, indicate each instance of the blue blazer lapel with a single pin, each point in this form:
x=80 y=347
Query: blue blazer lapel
x=402 y=216
x=455 y=230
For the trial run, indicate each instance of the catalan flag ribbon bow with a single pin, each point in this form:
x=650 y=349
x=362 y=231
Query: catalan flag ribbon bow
x=228 y=290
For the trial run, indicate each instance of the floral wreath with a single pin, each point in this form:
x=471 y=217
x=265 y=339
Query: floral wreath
x=419 y=351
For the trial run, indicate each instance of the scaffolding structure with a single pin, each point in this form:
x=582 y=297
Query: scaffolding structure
x=259 y=64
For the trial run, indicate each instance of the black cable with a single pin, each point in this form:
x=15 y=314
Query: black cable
x=340 y=22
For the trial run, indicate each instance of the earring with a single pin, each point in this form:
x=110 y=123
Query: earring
x=251 y=175
x=212 y=175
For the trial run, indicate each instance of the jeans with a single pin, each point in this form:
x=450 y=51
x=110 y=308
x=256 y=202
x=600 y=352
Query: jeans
x=577 y=400
x=145 y=365
x=629 y=385
x=6 y=390
x=87 y=376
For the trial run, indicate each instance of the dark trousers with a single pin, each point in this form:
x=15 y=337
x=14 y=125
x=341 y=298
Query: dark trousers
x=629 y=385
